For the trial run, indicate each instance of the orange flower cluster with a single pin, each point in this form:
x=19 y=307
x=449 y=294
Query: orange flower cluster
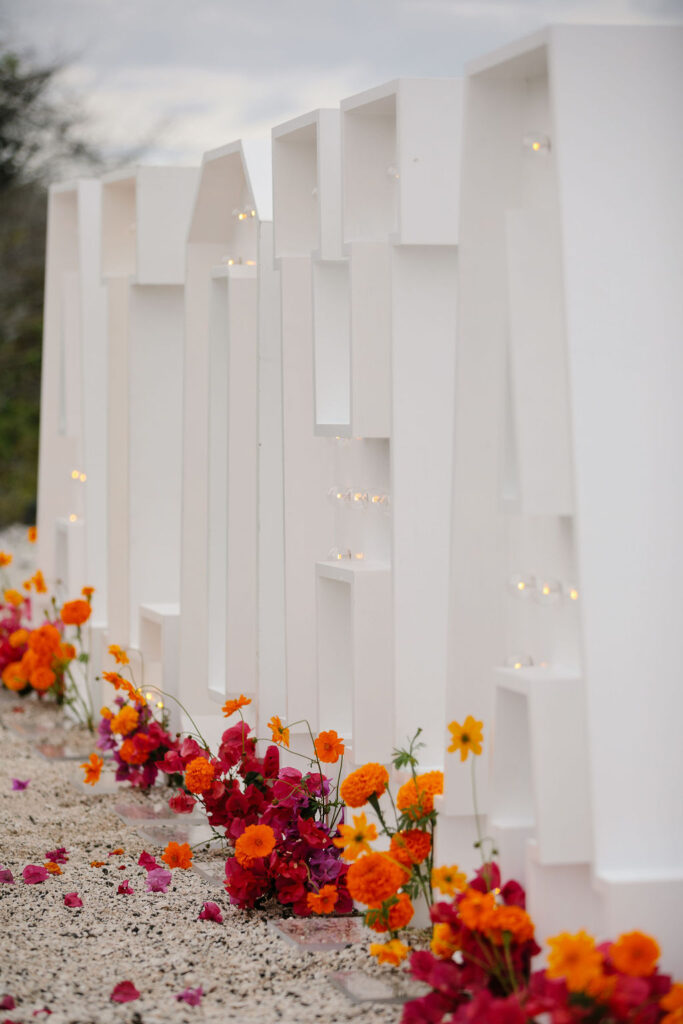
x=131 y=753
x=14 y=597
x=255 y=841
x=411 y=847
x=416 y=796
x=323 y=901
x=5 y=559
x=512 y=921
x=119 y=683
x=42 y=662
x=177 y=855
x=400 y=915
x=374 y=878
x=390 y=953
x=673 y=1002
x=635 y=954
x=37 y=581
x=577 y=960
x=199 y=774
x=329 y=747
x=231 y=706
x=75 y=613
x=444 y=942
x=368 y=780
x=126 y=721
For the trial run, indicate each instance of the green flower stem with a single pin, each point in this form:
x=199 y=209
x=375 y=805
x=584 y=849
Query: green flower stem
x=169 y=696
x=374 y=803
x=508 y=960
x=478 y=822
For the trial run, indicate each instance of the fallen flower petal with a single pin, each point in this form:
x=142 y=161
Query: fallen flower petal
x=124 y=992
x=6 y=876
x=72 y=899
x=53 y=868
x=147 y=861
x=191 y=996
x=58 y=856
x=18 y=784
x=125 y=888
x=96 y=863
x=117 y=852
x=211 y=912
x=35 y=873
x=158 y=880
x=7 y=1003
x=44 y=1010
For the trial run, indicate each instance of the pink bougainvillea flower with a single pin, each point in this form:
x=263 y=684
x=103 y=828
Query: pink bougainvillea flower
x=35 y=873
x=191 y=996
x=72 y=899
x=124 y=992
x=45 y=1010
x=182 y=803
x=6 y=876
x=158 y=880
x=124 y=889
x=58 y=856
x=147 y=861
x=18 y=784
x=7 y=1003
x=211 y=912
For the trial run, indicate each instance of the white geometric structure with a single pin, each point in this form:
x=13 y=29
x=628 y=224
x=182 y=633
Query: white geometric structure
x=145 y=212
x=567 y=493
x=229 y=261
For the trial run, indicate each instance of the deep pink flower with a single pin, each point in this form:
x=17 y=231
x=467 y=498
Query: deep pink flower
x=147 y=861
x=158 y=880
x=182 y=803
x=18 y=784
x=124 y=992
x=72 y=899
x=124 y=889
x=487 y=877
x=211 y=912
x=191 y=996
x=58 y=856
x=35 y=873
x=6 y=876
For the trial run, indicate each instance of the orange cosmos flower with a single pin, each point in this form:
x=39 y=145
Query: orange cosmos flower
x=75 y=613
x=416 y=796
x=199 y=775
x=119 y=683
x=411 y=847
x=66 y=652
x=513 y=921
x=87 y=592
x=231 y=706
x=118 y=654
x=18 y=638
x=38 y=581
x=42 y=678
x=368 y=780
x=635 y=954
x=476 y=909
x=14 y=597
x=177 y=855
x=5 y=559
x=467 y=737
x=400 y=915
x=53 y=868
x=13 y=677
x=574 y=958
x=444 y=942
x=374 y=878
x=329 y=747
x=280 y=734
x=93 y=769
x=32 y=534
x=673 y=1002
x=126 y=721
x=323 y=901
x=390 y=953
x=449 y=880
x=355 y=839
x=256 y=841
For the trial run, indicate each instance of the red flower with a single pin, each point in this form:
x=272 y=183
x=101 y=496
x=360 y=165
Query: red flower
x=211 y=912
x=182 y=803
x=124 y=992
x=72 y=899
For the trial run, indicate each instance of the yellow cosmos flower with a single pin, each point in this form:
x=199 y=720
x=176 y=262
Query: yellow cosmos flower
x=467 y=737
x=355 y=839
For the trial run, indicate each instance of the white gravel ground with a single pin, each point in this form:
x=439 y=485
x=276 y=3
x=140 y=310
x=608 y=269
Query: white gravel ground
x=69 y=960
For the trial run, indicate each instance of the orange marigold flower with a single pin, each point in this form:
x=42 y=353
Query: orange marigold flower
x=476 y=909
x=131 y=753
x=390 y=952
x=96 y=863
x=449 y=880
x=199 y=775
x=45 y=640
x=38 y=581
x=635 y=954
x=329 y=747
x=66 y=652
x=14 y=597
x=126 y=721
x=512 y=920
x=256 y=841
x=601 y=987
x=355 y=839
x=93 y=769
x=416 y=796
x=118 y=654
x=673 y=1002
x=106 y=712
x=32 y=534
x=42 y=678
x=87 y=592
x=415 y=843
x=18 y=638
x=75 y=613
x=5 y=559
x=323 y=901
x=400 y=915
x=13 y=677
x=368 y=780
x=231 y=706
x=374 y=878
x=466 y=737
x=445 y=941
x=52 y=867
x=574 y=958
x=280 y=734
x=177 y=855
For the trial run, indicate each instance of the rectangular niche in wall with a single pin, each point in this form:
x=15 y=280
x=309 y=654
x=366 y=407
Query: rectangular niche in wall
x=332 y=347
x=370 y=167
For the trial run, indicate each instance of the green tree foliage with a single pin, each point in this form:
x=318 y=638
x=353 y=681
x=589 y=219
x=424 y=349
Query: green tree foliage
x=41 y=140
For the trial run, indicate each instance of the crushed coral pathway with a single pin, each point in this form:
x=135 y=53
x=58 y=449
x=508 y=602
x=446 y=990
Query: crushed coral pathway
x=69 y=959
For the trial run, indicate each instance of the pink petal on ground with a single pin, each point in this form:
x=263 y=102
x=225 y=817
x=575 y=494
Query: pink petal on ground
x=6 y=876
x=72 y=899
x=58 y=856
x=18 y=784
x=7 y=1003
x=125 y=889
x=211 y=912
x=35 y=873
x=147 y=861
x=183 y=803
x=191 y=996
x=124 y=992
x=158 y=880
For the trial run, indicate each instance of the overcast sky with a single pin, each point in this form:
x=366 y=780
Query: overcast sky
x=200 y=73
